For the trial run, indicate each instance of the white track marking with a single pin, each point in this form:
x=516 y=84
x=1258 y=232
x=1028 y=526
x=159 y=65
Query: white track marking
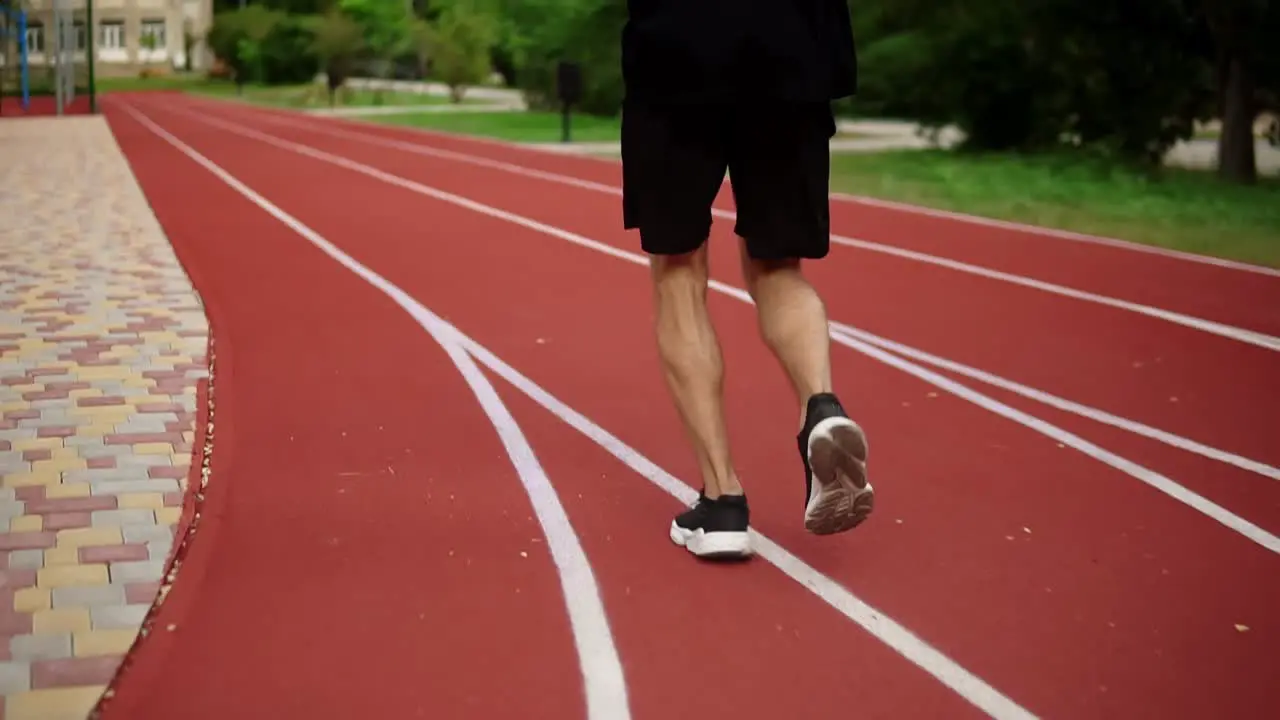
x=611 y=697
x=1074 y=408
x=1085 y=411
x=1150 y=477
x=1026 y=229
x=601 y=668
x=1212 y=327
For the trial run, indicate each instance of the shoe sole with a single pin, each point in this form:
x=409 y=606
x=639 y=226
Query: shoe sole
x=840 y=497
x=712 y=545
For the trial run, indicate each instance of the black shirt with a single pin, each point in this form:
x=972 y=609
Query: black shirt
x=718 y=50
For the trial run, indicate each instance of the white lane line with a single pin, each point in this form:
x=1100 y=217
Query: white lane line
x=1156 y=480
x=603 y=680
x=1025 y=229
x=1075 y=408
x=893 y=634
x=890 y=632
x=1082 y=410
x=1212 y=327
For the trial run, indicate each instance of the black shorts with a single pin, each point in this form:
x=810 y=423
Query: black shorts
x=674 y=159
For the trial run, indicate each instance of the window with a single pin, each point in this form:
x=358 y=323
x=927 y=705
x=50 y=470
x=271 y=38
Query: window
x=82 y=37
x=35 y=39
x=111 y=36
x=153 y=35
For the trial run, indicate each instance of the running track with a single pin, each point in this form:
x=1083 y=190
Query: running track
x=436 y=387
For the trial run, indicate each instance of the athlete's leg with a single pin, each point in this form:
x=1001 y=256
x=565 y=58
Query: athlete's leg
x=779 y=162
x=692 y=363
x=673 y=165
x=793 y=322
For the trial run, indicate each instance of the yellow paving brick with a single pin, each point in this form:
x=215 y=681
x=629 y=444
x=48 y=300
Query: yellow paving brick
x=161 y=337
x=168 y=515
x=61 y=620
x=84 y=537
x=72 y=575
x=189 y=436
x=102 y=642
x=68 y=490
x=26 y=523
x=103 y=372
x=32 y=478
x=26 y=388
x=181 y=459
x=37 y=443
x=152 y=448
x=72 y=703
x=100 y=411
x=138 y=382
x=60 y=453
x=153 y=400
x=31 y=599
x=148 y=501
x=59 y=465
x=69 y=555
x=97 y=429
x=14 y=405
x=85 y=392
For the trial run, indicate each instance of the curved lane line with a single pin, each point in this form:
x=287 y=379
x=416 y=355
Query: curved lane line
x=1143 y=474
x=598 y=659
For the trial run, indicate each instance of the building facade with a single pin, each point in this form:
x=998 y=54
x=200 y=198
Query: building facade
x=129 y=35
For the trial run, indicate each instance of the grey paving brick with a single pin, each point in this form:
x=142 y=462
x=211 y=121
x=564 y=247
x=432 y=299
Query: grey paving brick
x=97 y=475
x=118 y=617
x=12 y=466
x=26 y=559
x=137 y=571
x=88 y=596
x=40 y=647
x=130 y=516
x=7 y=494
x=147 y=461
x=147 y=534
x=117 y=487
x=99 y=449
x=63 y=404
x=11 y=509
x=145 y=424
x=15 y=677
x=18 y=433
x=65 y=377
x=157 y=549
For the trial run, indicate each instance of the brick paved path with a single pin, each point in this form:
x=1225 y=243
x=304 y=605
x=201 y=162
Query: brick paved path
x=102 y=342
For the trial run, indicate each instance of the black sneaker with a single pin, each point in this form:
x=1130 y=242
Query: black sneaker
x=714 y=528
x=834 y=450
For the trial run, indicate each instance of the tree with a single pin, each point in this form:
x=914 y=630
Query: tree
x=385 y=25
x=338 y=41
x=1247 y=71
x=459 y=43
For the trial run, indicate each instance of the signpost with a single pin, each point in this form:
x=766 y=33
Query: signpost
x=569 y=90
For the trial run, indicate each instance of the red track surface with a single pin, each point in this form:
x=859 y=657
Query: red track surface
x=41 y=106
x=366 y=546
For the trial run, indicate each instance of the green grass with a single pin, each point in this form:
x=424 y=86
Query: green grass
x=1182 y=209
x=515 y=126
x=308 y=95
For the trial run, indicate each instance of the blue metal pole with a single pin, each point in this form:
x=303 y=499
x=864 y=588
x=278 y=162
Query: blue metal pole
x=22 y=60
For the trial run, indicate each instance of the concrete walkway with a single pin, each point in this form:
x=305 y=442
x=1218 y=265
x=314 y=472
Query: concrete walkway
x=102 y=343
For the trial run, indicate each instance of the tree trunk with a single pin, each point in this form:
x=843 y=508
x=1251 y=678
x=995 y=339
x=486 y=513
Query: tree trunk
x=1236 y=157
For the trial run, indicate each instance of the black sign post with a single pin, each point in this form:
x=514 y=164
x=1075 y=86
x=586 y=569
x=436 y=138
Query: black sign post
x=569 y=90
